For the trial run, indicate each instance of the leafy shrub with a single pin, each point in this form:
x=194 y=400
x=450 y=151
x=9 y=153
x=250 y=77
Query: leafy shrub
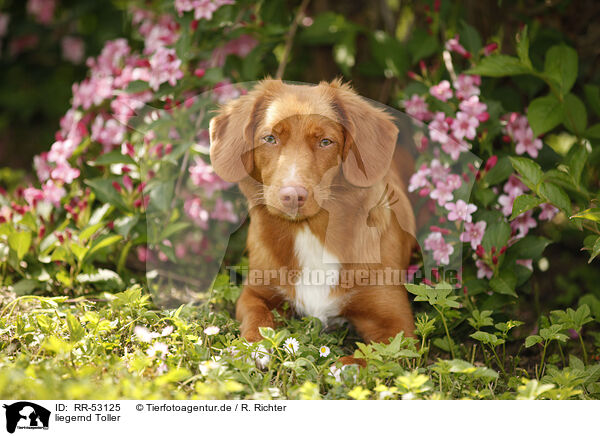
x=128 y=186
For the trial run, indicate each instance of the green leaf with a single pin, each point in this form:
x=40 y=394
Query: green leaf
x=561 y=142
x=592 y=96
x=555 y=195
x=25 y=286
x=499 y=66
x=575 y=115
x=106 y=192
x=595 y=250
x=102 y=243
x=530 y=247
x=161 y=195
x=592 y=214
x=20 y=242
x=561 y=66
x=504 y=283
x=470 y=38
x=532 y=340
x=113 y=157
x=501 y=171
x=76 y=330
x=593 y=132
x=523 y=203
x=523 y=48
x=576 y=160
x=530 y=171
x=89 y=231
x=496 y=235
x=544 y=114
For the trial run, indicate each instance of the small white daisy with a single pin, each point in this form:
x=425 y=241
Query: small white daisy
x=291 y=345
x=167 y=330
x=212 y=330
x=143 y=334
x=324 y=351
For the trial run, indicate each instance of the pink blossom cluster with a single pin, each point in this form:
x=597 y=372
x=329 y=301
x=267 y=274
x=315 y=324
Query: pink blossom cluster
x=452 y=133
x=201 y=8
x=518 y=129
x=436 y=181
x=203 y=175
x=42 y=10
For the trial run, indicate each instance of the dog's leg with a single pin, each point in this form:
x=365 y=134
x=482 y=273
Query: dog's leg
x=253 y=310
x=379 y=314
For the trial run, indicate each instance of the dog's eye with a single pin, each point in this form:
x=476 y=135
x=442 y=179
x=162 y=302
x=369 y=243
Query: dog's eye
x=325 y=142
x=270 y=139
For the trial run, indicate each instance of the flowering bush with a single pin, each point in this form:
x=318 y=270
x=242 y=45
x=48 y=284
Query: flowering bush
x=127 y=188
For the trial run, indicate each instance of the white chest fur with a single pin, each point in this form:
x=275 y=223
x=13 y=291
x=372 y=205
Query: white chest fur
x=320 y=272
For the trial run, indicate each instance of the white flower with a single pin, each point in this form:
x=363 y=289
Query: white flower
x=324 y=351
x=209 y=365
x=158 y=350
x=212 y=330
x=167 y=330
x=261 y=356
x=291 y=345
x=143 y=334
x=335 y=372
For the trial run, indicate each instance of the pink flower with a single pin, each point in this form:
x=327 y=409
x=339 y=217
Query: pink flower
x=203 y=175
x=441 y=91
x=42 y=169
x=442 y=193
x=417 y=108
x=483 y=270
x=33 y=195
x=61 y=151
x=164 y=67
x=466 y=86
x=64 y=173
x=193 y=208
x=460 y=211
x=464 y=126
x=225 y=91
x=53 y=193
x=523 y=223
x=107 y=133
x=455 y=46
x=506 y=201
x=527 y=263
x=526 y=142
x=454 y=148
x=223 y=211
x=438 y=128
x=201 y=8
x=142 y=253
x=439 y=171
x=4 y=20
x=42 y=10
x=240 y=46
x=514 y=187
x=73 y=49
x=160 y=33
x=441 y=250
x=548 y=211
x=419 y=179
x=474 y=108
x=473 y=233
x=92 y=91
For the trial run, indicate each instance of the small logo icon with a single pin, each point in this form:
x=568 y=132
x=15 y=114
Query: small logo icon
x=26 y=415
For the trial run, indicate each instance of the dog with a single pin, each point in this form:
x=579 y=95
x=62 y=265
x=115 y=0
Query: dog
x=326 y=191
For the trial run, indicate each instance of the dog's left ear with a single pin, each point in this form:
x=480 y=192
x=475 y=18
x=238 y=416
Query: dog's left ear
x=370 y=137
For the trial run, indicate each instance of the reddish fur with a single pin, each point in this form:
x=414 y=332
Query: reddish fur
x=355 y=172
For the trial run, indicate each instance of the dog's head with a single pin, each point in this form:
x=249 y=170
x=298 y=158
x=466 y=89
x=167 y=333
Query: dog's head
x=299 y=141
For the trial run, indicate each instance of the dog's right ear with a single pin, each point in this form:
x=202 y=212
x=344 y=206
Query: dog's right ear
x=231 y=138
x=232 y=133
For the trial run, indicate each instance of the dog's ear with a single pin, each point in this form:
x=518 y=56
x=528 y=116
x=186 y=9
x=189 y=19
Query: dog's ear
x=370 y=137
x=232 y=134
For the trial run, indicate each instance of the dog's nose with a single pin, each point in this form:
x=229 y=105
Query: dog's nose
x=293 y=196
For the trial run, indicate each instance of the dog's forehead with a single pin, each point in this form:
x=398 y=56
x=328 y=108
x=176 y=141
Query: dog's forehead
x=302 y=101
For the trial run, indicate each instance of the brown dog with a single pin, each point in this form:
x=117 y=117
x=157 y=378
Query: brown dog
x=330 y=223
